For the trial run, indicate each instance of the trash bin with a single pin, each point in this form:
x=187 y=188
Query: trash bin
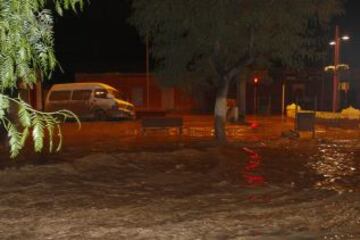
x=305 y=121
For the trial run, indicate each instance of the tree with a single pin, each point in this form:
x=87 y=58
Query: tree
x=223 y=39
x=26 y=51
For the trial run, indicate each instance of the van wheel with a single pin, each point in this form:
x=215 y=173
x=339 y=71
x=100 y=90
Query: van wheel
x=100 y=115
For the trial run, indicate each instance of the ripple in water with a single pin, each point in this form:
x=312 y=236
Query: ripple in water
x=338 y=167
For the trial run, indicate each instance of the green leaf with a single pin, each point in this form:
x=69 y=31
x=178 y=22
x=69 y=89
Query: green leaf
x=24 y=116
x=4 y=102
x=24 y=136
x=58 y=8
x=38 y=132
x=50 y=123
x=60 y=139
x=15 y=140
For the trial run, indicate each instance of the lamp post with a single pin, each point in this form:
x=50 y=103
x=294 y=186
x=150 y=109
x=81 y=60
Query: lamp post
x=336 y=44
x=256 y=82
x=283 y=99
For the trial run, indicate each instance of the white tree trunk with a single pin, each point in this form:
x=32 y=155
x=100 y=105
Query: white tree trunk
x=220 y=112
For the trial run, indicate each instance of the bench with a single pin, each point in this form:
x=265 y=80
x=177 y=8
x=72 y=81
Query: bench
x=159 y=123
x=147 y=113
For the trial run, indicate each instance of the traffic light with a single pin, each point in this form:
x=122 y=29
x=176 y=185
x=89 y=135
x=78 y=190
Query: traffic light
x=255 y=80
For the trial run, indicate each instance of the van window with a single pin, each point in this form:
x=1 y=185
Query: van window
x=81 y=95
x=101 y=93
x=59 y=96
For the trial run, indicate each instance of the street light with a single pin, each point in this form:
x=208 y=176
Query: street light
x=345 y=38
x=336 y=44
x=256 y=82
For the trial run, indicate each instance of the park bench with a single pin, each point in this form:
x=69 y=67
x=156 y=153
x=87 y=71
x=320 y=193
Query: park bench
x=161 y=123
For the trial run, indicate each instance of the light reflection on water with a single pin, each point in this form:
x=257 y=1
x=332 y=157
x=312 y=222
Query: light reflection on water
x=194 y=131
x=337 y=165
x=249 y=171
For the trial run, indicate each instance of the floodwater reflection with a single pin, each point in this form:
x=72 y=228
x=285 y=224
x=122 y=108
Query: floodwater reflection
x=249 y=171
x=337 y=166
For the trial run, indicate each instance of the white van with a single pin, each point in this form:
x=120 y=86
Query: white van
x=89 y=101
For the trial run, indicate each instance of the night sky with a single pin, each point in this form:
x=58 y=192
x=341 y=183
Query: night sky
x=350 y=24
x=99 y=39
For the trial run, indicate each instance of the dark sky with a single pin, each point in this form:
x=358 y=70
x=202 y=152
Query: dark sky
x=100 y=40
x=350 y=24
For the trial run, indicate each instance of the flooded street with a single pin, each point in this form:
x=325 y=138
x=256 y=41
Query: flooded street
x=258 y=187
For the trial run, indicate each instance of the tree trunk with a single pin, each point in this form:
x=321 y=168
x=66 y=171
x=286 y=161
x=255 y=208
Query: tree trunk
x=220 y=111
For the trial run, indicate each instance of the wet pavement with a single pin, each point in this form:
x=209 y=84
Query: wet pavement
x=110 y=182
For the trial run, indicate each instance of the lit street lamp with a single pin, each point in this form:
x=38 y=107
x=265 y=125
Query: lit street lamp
x=337 y=66
x=256 y=82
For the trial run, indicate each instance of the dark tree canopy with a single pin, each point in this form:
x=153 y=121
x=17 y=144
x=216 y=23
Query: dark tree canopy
x=208 y=37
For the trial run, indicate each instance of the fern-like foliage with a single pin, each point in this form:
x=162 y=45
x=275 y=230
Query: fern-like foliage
x=27 y=39
x=26 y=52
x=36 y=122
x=15 y=139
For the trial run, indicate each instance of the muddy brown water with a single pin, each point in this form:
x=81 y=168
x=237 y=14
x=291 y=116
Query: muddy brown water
x=285 y=189
x=107 y=183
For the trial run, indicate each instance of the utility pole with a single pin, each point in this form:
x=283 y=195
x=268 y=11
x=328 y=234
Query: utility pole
x=336 y=73
x=147 y=72
x=283 y=100
x=337 y=67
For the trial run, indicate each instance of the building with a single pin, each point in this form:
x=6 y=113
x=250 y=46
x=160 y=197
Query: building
x=311 y=88
x=144 y=91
